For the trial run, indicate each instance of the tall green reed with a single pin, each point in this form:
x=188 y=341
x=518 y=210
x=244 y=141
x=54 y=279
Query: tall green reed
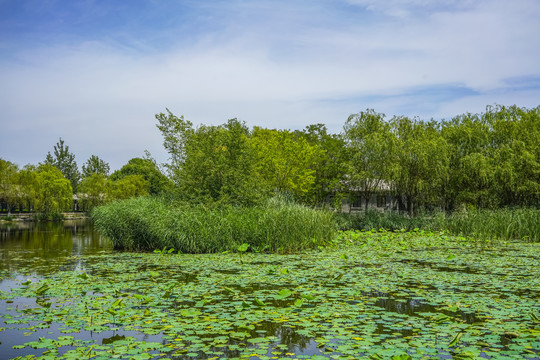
x=152 y=223
x=507 y=224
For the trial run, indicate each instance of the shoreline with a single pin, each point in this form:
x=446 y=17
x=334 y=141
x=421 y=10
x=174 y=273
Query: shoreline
x=31 y=216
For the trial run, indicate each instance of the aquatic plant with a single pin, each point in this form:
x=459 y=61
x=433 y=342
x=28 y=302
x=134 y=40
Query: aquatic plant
x=378 y=295
x=507 y=224
x=152 y=223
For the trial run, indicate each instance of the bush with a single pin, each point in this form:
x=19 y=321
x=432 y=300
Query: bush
x=54 y=216
x=153 y=223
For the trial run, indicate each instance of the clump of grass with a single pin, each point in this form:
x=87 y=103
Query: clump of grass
x=49 y=217
x=152 y=223
x=373 y=219
x=506 y=224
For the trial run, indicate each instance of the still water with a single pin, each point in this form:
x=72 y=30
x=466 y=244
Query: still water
x=30 y=250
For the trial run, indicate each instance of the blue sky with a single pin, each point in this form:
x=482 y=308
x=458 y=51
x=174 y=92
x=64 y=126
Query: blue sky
x=95 y=72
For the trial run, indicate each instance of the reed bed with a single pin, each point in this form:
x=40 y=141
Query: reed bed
x=152 y=223
x=506 y=224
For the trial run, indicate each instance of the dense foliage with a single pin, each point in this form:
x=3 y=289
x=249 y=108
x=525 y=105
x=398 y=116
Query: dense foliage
x=487 y=160
x=152 y=223
x=472 y=161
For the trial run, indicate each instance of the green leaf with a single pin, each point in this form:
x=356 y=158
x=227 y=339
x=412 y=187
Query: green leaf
x=455 y=339
x=42 y=289
x=284 y=293
x=307 y=296
x=401 y=357
x=243 y=248
x=259 y=302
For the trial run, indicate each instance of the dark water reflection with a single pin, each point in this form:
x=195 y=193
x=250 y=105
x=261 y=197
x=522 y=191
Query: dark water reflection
x=42 y=248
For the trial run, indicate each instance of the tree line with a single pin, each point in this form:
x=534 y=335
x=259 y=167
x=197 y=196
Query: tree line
x=56 y=184
x=487 y=160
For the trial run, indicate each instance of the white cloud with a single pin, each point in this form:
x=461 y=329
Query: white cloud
x=102 y=96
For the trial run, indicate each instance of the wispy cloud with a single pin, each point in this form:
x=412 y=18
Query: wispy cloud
x=96 y=72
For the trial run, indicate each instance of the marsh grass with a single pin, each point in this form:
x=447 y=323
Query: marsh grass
x=152 y=223
x=506 y=224
x=373 y=219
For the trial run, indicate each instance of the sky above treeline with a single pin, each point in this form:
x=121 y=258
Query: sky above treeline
x=95 y=72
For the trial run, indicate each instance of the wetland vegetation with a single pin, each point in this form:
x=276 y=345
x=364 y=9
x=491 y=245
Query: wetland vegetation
x=238 y=248
x=377 y=295
x=277 y=225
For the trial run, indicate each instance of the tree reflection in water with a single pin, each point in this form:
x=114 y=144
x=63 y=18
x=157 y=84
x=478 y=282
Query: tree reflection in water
x=43 y=247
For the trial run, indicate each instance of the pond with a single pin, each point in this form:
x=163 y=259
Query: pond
x=64 y=293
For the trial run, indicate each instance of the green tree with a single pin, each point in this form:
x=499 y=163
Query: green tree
x=211 y=163
x=329 y=169
x=514 y=138
x=29 y=183
x=371 y=149
x=176 y=132
x=95 y=165
x=156 y=182
x=93 y=190
x=127 y=187
x=471 y=172
x=422 y=162
x=285 y=160
x=9 y=188
x=65 y=162
x=54 y=194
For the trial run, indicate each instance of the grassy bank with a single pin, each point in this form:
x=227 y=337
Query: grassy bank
x=507 y=224
x=151 y=223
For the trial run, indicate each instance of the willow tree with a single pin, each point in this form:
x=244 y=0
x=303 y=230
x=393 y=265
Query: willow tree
x=371 y=149
x=329 y=169
x=94 y=190
x=516 y=153
x=8 y=184
x=422 y=162
x=129 y=186
x=471 y=175
x=54 y=194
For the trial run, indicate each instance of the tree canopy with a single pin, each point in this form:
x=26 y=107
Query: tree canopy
x=64 y=160
x=485 y=160
x=95 y=165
